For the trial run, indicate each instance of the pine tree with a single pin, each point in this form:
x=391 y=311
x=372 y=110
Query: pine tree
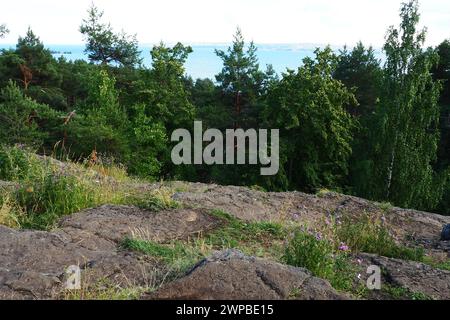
x=105 y=46
x=241 y=81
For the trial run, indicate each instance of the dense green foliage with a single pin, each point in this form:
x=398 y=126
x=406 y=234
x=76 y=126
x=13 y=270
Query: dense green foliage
x=347 y=121
x=405 y=134
x=105 y=46
x=309 y=107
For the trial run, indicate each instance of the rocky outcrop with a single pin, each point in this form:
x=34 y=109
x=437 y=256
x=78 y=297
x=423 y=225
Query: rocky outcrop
x=230 y=275
x=114 y=223
x=252 y=205
x=33 y=263
x=413 y=276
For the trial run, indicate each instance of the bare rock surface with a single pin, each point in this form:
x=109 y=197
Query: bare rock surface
x=414 y=276
x=230 y=275
x=33 y=263
x=114 y=223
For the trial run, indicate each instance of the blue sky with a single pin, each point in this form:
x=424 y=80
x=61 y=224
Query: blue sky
x=214 y=21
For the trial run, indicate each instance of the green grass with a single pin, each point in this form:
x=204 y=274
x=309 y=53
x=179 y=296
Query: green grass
x=258 y=238
x=11 y=215
x=47 y=192
x=401 y=293
x=442 y=265
x=154 y=249
x=179 y=256
x=321 y=258
x=370 y=236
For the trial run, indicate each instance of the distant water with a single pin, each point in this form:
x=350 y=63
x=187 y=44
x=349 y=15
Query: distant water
x=204 y=63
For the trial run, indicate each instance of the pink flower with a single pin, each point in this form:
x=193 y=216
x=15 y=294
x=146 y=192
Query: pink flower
x=343 y=247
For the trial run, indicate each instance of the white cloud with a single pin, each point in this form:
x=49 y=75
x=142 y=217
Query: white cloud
x=195 y=21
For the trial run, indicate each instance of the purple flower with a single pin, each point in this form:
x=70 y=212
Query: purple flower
x=318 y=236
x=343 y=247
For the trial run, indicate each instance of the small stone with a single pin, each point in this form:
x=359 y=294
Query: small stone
x=446 y=233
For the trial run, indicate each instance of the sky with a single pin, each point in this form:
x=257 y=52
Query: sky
x=335 y=22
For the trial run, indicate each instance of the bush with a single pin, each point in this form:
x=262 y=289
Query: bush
x=307 y=251
x=15 y=164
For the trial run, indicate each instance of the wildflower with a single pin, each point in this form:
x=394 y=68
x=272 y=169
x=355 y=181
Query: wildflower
x=318 y=236
x=343 y=247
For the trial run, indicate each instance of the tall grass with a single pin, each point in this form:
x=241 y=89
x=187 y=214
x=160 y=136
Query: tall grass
x=47 y=192
x=370 y=235
x=320 y=256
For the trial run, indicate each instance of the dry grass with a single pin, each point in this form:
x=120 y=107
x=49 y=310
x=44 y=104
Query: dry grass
x=10 y=213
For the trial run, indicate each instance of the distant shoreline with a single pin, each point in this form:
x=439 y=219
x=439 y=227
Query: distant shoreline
x=203 y=62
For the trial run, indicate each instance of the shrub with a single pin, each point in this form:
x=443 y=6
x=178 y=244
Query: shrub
x=17 y=164
x=307 y=251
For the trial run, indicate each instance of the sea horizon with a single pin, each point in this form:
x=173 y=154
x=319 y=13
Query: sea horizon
x=204 y=63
